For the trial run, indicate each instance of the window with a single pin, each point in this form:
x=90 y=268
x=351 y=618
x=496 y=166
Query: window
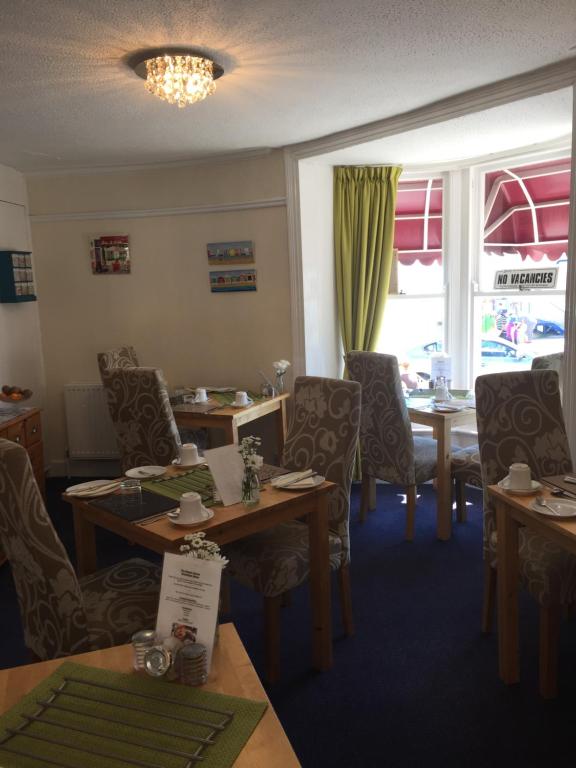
x=525 y=227
x=413 y=326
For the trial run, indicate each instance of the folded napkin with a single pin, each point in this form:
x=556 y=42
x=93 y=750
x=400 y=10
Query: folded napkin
x=291 y=479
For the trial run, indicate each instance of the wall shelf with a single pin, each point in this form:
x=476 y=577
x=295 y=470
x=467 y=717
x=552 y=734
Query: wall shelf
x=16 y=277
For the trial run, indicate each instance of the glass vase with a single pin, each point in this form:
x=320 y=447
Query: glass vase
x=279 y=383
x=250 y=487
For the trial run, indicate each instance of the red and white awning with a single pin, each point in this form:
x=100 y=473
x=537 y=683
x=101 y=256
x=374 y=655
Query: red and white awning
x=527 y=211
x=418 y=229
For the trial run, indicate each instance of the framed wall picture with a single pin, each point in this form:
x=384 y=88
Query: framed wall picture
x=240 y=252
x=110 y=255
x=231 y=280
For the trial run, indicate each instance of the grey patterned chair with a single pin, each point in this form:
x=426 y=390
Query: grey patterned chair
x=61 y=615
x=466 y=468
x=121 y=357
x=520 y=419
x=388 y=449
x=142 y=416
x=323 y=435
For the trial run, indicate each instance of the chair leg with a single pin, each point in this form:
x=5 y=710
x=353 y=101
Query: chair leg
x=410 y=511
x=225 y=601
x=549 y=642
x=372 y=494
x=461 y=501
x=346 y=599
x=272 y=607
x=365 y=497
x=489 y=600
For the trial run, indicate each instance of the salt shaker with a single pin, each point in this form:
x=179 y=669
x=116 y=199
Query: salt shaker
x=141 y=642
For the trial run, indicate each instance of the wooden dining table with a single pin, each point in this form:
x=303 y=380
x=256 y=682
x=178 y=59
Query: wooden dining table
x=512 y=512
x=231 y=673
x=442 y=424
x=229 y=418
x=229 y=524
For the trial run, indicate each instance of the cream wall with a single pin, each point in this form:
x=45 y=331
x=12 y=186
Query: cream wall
x=164 y=308
x=20 y=346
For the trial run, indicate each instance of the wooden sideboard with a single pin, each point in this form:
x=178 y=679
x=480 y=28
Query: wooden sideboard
x=24 y=426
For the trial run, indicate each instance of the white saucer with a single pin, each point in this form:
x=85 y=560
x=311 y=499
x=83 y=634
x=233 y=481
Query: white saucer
x=302 y=485
x=176 y=463
x=93 y=488
x=174 y=515
x=504 y=484
x=445 y=408
x=563 y=508
x=235 y=405
x=145 y=473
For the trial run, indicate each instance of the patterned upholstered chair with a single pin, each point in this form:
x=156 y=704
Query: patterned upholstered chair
x=140 y=409
x=388 y=449
x=122 y=357
x=323 y=435
x=520 y=419
x=466 y=468
x=61 y=615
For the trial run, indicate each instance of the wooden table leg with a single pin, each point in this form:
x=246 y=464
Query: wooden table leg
x=444 y=486
x=320 y=585
x=84 y=536
x=507 y=529
x=231 y=432
x=281 y=428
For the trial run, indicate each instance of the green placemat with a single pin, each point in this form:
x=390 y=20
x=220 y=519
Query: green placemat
x=227 y=398
x=169 y=712
x=199 y=480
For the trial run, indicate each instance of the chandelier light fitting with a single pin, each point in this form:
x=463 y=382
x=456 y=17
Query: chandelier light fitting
x=178 y=76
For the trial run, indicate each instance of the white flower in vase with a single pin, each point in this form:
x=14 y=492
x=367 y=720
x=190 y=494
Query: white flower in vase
x=280 y=368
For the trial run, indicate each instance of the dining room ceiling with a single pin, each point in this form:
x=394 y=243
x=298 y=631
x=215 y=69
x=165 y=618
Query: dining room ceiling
x=292 y=71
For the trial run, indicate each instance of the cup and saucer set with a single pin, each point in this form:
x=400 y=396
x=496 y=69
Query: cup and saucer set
x=188 y=457
x=241 y=400
x=190 y=512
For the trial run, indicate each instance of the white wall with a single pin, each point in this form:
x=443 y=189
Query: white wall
x=164 y=308
x=322 y=336
x=20 y=346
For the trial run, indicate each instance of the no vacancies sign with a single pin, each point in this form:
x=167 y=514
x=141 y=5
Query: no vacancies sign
x=526 y=279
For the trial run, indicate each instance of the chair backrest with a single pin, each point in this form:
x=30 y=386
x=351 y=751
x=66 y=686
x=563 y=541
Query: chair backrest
x=386 y=442
x=122 y=357
x=142 y=416
x=51 y=605
x=554 y=362
x=520 y=419
x=322 y=436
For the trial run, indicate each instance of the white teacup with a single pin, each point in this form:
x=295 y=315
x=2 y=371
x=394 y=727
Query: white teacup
x=201 y=396
x=519 y=477
x=191 y=509
x=188 y=454
x=241 y=398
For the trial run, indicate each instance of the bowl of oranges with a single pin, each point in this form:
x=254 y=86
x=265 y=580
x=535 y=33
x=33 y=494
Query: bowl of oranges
x=14 y=394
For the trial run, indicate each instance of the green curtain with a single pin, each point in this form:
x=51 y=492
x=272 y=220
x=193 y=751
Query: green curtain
x=364 y=205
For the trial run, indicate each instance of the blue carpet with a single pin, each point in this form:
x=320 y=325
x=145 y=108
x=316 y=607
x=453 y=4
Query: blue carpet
x=417 y=685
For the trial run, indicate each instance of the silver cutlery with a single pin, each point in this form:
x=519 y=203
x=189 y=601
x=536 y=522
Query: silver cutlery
x=301 y=476
x=541 y=502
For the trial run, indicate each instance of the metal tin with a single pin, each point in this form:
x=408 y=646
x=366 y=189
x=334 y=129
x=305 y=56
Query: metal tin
x=192 y=663
x=157 y=661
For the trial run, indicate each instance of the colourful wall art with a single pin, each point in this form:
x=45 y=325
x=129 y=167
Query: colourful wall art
x=230 y=280
x=241 y=252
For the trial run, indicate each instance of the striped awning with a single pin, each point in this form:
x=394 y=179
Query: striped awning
x=418 y=221
x=527 y=211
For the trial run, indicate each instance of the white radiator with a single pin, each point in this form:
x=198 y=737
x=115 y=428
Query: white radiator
x=88 y=423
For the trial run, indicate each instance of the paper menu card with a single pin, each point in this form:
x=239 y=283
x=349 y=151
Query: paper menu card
x=227 y=469
x=189 y=597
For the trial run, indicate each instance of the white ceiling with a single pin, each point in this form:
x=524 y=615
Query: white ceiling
x=540 y=120
x=293 y=70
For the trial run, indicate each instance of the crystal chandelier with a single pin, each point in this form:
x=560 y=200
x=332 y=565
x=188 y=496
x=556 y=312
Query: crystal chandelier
x=178 y=76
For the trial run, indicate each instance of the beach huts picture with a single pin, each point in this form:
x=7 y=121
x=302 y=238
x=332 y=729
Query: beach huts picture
x=241 y=252
x=230 y=280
